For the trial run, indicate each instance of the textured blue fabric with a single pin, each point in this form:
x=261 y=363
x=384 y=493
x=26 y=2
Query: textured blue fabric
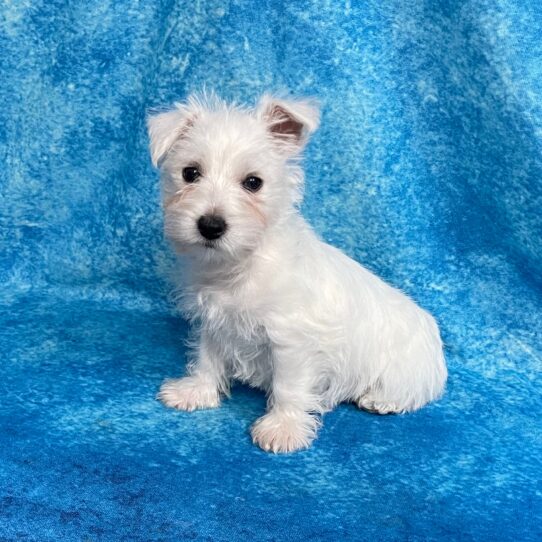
x=427 y=169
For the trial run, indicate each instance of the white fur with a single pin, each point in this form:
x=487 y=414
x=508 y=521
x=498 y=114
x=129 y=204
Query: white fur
x=276 y=307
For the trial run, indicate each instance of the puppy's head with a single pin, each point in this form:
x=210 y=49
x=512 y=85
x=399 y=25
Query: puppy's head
x=228 y=173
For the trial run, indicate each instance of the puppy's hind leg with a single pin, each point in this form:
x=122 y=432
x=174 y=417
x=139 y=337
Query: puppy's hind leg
x=407 y=383
x=411 y=371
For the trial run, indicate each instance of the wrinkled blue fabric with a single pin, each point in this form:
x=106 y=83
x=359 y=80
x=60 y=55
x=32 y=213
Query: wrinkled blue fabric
x=427 y=169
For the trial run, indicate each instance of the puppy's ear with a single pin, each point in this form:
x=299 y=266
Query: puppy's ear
x=291 y=122
x=164 y=129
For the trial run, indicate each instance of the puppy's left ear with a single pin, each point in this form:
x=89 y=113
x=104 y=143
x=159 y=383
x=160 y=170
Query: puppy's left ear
x=164 y=129
x=290 y=122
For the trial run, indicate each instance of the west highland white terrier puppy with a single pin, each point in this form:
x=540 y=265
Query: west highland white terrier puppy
x=276 y=307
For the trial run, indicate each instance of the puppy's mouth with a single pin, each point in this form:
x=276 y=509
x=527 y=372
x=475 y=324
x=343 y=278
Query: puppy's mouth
x=210 y=243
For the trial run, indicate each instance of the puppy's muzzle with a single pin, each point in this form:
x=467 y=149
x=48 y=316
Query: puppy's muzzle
x=211 y=226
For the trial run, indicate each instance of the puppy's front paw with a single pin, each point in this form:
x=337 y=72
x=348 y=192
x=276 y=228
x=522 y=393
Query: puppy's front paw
x=189 y=393
x=282 y=432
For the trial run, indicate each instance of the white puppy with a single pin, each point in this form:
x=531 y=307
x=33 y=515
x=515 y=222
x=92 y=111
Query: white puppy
x=276 y=307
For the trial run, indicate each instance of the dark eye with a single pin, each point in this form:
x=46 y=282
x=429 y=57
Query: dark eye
x=252 y=184
x=191 y=174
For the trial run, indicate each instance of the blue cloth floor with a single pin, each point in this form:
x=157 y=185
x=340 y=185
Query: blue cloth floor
x=427 y=169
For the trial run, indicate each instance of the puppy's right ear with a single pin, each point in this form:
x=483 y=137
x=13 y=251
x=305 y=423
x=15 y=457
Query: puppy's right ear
x=164 y=129
x=290 y=122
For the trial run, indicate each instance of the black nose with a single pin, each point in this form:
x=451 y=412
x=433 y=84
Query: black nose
x=211 y=226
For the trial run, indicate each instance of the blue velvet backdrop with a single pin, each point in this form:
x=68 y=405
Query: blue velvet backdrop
x=427 y=169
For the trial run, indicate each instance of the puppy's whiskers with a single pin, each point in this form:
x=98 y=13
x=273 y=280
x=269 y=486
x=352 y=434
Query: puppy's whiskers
x=177 y=196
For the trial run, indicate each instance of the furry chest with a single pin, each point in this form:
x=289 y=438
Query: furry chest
x=234 y=328
x=228 y=314
x=244 y=342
